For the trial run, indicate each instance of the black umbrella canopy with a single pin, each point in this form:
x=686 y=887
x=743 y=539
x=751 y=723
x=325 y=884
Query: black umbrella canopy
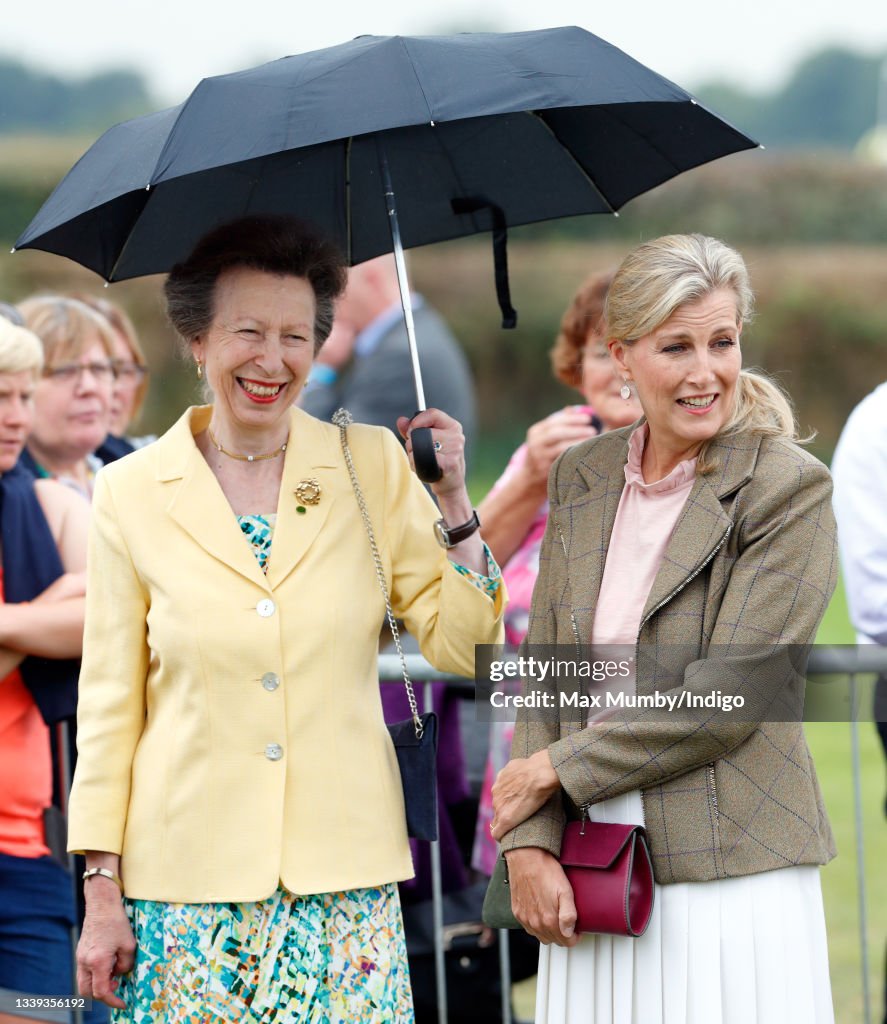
x=524 y=126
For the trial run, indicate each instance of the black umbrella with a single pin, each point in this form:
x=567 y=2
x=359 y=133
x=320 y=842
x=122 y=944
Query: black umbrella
x=472 y=132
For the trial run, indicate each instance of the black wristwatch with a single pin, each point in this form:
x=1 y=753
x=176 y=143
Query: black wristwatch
x=450 y=536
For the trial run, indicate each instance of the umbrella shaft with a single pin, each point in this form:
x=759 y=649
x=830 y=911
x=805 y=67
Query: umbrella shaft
x=402 y=281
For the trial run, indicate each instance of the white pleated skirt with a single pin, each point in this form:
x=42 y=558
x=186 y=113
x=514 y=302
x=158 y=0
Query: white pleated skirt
x=748 y=950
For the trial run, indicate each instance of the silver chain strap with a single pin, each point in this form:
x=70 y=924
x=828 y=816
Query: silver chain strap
x=342 y=419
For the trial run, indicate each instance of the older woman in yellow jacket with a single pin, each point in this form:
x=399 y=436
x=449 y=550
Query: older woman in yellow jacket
x=236 y=779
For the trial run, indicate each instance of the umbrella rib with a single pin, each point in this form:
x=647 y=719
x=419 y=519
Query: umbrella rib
x=129 y=234
x=666 y=159
x=572 y=155
x=406 y=49
x=169 y=136
x=149 y=186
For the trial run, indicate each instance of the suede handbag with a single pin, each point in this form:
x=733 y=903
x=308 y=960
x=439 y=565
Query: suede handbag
x=611 y=873
x=414 y=738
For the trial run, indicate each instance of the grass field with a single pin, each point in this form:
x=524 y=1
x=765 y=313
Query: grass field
x=830 y=743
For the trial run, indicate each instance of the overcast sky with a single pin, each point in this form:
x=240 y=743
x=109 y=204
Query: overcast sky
x=178 y=42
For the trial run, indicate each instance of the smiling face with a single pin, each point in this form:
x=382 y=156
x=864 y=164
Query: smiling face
x=257 y=351
x=16 y=415
x=685 y=372
x=72 y=408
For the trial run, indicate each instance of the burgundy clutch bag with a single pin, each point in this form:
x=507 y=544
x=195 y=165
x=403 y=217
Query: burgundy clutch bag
x=611 y=872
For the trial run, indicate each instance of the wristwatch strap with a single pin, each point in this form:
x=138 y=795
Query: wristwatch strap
x=454 y=535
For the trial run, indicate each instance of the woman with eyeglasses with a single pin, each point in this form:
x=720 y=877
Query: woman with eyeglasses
x=73 y=398
x=130 y=384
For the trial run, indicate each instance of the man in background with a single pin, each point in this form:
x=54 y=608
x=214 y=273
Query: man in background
x=365 y=364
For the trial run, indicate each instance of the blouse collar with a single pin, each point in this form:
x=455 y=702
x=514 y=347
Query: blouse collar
x=683 y=473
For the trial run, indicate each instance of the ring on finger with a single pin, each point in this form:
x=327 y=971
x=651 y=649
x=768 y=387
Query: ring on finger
x=437 y=446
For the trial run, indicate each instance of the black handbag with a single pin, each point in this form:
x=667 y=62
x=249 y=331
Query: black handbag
x=417 y=760
x=414 y=738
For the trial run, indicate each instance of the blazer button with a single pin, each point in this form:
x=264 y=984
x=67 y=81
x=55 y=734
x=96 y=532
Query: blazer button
x=265 y=607
x=270 y=681
x=274 y=751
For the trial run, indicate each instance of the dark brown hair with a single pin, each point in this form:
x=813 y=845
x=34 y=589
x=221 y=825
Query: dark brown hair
x=585 y=312
x=272 y=244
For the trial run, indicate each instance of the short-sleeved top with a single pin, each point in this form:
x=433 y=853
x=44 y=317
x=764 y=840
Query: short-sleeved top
x=25 y=768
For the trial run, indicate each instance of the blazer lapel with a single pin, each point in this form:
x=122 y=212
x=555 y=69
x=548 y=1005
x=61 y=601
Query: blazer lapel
x=585 y=523
x=198 y=503
x=703 y=524
x=199 y=506
x=585 y=520
x=312 y=454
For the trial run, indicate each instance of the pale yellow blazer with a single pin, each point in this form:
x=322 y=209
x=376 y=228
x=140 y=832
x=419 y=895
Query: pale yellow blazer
x=210 y=780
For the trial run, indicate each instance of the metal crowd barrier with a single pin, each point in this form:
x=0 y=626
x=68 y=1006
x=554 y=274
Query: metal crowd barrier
x=863 y=659
x=845 y=661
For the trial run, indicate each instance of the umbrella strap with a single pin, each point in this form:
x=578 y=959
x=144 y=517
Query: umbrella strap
x=471 y=204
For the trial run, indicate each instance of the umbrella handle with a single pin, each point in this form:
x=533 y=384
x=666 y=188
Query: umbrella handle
x=424 y=459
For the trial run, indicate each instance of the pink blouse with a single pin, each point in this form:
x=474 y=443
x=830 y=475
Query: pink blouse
x=645 y=521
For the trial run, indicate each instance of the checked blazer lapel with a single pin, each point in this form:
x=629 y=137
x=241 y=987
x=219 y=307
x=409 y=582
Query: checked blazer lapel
x=701 y=529
x=585 y=523
x=588 y=510
x=704 y=524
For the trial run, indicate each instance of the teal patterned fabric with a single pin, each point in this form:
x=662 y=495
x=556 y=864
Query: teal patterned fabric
x=489 y=584
x=259 y=531
x=332 y=958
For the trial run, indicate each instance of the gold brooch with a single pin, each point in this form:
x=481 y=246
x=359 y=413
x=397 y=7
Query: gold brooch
x=308 y=491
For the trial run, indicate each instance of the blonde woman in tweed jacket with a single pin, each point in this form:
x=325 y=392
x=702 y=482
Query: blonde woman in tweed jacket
x=706 y=530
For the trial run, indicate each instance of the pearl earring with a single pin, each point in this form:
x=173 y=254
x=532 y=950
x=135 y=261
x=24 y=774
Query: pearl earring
x=625 y=391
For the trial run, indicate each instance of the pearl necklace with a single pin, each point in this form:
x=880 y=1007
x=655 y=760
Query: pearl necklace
x=245 y=458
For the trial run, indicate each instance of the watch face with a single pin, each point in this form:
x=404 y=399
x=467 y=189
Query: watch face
x=440 y=532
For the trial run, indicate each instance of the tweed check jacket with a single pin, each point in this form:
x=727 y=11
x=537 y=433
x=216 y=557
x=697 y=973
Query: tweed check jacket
x=747 y=574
